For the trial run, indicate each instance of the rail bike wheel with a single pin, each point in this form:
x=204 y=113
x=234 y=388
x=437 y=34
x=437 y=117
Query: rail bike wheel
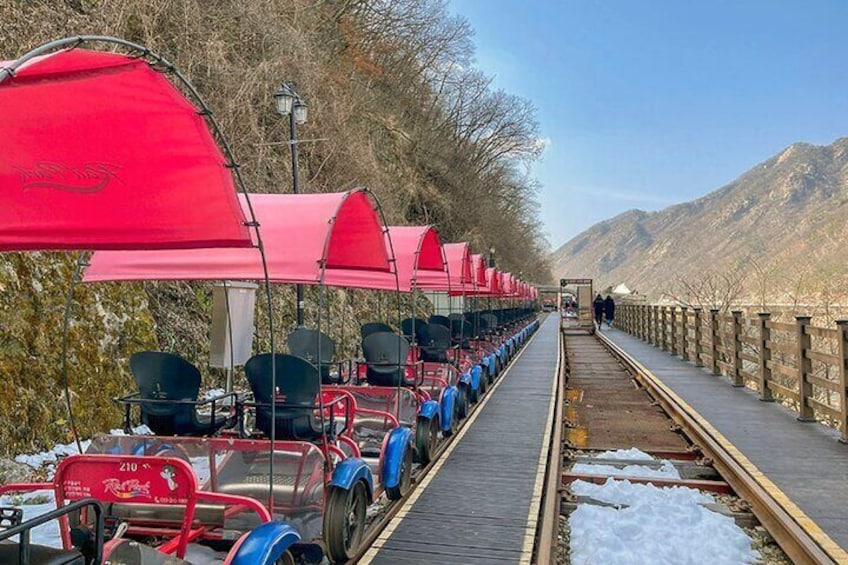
x=426 y=439
x=344 y=521
x=397 y=492
x=285 y=559
x=462 y=401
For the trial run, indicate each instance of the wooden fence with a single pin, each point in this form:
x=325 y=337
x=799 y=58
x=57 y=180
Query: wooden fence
x=798 y=364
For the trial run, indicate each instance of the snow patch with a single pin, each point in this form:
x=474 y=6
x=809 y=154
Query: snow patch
x=658 y=525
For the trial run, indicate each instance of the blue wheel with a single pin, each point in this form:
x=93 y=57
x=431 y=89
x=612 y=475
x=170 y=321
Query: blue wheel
x=399 y=491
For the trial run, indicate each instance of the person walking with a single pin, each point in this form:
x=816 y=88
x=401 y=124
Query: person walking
x=598 y=306
x=609 y=310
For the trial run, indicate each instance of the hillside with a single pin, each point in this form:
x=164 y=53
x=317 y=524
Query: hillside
x=779 y=229
x=395 y=104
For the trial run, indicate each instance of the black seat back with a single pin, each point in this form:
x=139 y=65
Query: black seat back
x=435 y=343
x=441 y=320
x=297 y=392
x=166 y=376
x=385 y=354
x=304 y=342
x=374 y=327
x=409 y=324
x=461 y=330
x=491 y=321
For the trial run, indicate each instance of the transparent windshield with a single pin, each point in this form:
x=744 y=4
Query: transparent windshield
x=236 y=466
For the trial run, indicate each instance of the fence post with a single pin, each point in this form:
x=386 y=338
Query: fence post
x=805 y=367
x=698 y=361
x=714 y=341
x=664 y=318
x=737 y=349
x=671 y=338
x=765 y=357
x=684 y=335
x=656 y=326
x=842 y=338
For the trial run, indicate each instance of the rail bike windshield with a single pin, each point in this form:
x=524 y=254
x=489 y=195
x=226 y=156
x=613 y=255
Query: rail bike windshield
x=378 y=411
x=233 y=466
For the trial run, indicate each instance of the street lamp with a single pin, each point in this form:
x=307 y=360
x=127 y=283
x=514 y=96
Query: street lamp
x=289 y=104
x=491 y=256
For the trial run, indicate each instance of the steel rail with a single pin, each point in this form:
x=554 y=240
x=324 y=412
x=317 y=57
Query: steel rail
x=376 y=528
x=798 y=543
x=547 y=533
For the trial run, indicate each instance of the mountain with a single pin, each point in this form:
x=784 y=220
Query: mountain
x=781 y=225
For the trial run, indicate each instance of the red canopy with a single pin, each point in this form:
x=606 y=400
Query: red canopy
x=100 y=151
x=494 y=282
x=300 y=233
x=419 y=260
x=478 y=268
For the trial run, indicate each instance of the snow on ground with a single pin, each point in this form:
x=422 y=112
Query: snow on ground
x=666 y=470
x=51 y=457
x=651 y=525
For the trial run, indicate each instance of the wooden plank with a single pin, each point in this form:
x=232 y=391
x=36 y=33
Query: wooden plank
x=780 y=326
x=749 y=375
x=828 y=333
x=827 y=358
x=749 y=340
x=781 y=369
x=700 y=484
x=782 y=390
x=788 y=348
x=822 y=407
x=823 y=383
x=748 y=357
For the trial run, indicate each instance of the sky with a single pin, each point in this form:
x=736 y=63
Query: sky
x=646 y=103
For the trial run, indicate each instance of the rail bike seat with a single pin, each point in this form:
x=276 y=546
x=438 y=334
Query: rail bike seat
x=385 y=357
x=373 y=327
x=298 y=386
x=461 y=330
x=168 y=386
x=413 y=328
x=491 y=321
x=311 y=344
x=435 y=343
x=440 y=320
x=41 y=554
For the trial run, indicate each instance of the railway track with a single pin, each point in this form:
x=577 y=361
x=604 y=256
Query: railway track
x=608 y=401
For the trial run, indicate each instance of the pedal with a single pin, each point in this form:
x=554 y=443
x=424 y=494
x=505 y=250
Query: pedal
x=10 y=516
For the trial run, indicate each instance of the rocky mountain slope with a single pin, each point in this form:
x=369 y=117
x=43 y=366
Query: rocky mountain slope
x=781 y=227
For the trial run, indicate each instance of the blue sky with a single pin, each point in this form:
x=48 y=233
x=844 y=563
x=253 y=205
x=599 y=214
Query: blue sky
x=651 y=102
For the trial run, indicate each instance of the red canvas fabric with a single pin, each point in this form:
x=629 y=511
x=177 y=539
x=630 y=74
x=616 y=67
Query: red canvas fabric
x=99 y=151
x=419 y=260
x=299 y=232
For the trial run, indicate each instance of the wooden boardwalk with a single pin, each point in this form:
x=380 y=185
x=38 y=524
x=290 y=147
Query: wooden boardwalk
x=480 y=503
x=804 y=461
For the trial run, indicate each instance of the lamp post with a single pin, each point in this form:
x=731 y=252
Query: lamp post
x=289 y=104
x=491 y=256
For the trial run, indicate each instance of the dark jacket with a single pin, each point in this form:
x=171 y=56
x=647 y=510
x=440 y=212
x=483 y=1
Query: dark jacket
x=598 y=305
x=609 y=308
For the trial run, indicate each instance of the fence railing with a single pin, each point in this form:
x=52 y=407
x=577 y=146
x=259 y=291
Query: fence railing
x=803 y=366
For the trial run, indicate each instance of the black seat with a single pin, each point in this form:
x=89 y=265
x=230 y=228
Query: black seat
x=164 y=376
x=417 y=324
x=491 y=321
x=374 y=327
x=305 y=342
x=298 y=386
x=460 y=330
x=435 y=343
x=385 y=355
x=441 y=320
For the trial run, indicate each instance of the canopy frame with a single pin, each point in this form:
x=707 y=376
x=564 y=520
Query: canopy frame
x=206 y=112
